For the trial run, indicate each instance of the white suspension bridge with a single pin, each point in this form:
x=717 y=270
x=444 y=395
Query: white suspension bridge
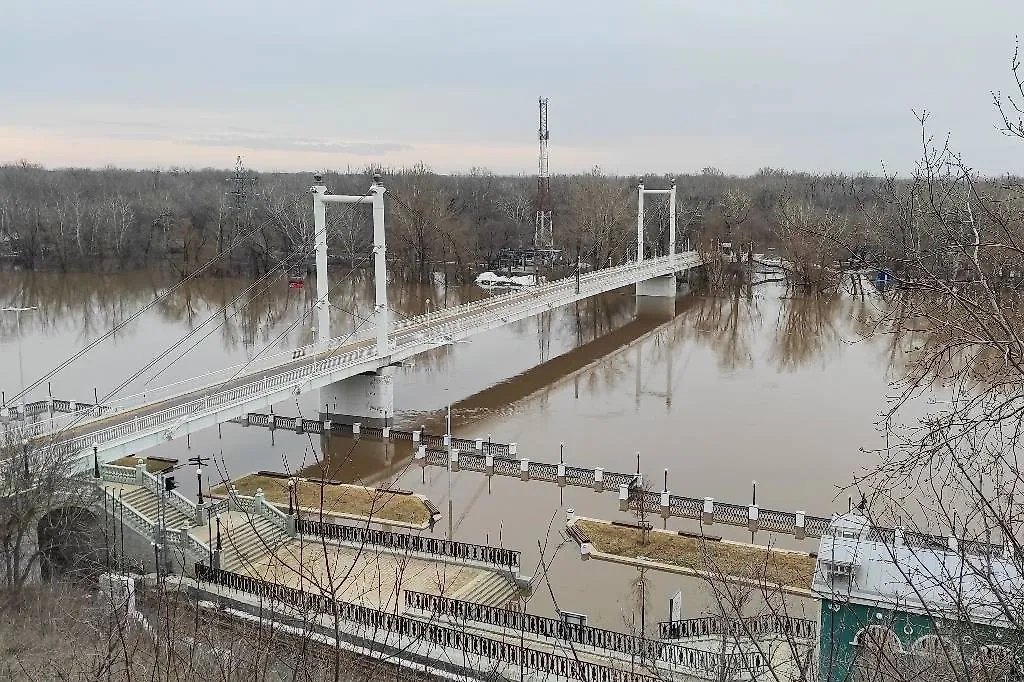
x=353 y=373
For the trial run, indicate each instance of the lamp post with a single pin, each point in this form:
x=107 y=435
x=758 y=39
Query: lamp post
x=96 y=459
x=21 y=367
x=291 y=491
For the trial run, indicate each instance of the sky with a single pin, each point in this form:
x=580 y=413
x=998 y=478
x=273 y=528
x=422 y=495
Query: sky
x=636 y=86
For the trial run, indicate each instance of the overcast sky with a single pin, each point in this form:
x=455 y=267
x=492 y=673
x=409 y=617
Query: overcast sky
x=634 y=86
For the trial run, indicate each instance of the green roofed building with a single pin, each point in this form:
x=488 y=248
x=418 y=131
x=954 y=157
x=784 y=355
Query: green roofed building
x=898 y=605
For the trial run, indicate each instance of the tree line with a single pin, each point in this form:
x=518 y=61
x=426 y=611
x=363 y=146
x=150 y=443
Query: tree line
x=114 y=219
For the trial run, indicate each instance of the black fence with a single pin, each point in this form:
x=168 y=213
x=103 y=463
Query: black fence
x=375 y=621
x=406 y=542
x=583 y=635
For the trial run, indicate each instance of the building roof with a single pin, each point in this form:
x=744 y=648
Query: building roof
x=910 y=572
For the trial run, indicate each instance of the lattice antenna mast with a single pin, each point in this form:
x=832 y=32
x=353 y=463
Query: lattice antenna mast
x=542 y=235
x=241 y=185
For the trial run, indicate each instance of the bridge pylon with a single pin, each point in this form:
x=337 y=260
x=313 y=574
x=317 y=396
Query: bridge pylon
x=365 y=397
x=663 y=286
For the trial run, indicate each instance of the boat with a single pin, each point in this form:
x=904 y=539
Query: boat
x=492 y=280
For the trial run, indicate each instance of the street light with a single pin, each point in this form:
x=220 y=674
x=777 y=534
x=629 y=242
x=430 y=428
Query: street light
x=21 y=368
x=448 y=342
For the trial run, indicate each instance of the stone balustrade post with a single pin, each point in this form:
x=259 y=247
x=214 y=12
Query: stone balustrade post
x=489 y=463
x=707 y=516
x=513 y=449
x=140 y=471
x=478 y=444
x=258 y=502
x=416 y=436
x=356 y=428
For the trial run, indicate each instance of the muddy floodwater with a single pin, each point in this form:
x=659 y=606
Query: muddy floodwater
x=762 y=385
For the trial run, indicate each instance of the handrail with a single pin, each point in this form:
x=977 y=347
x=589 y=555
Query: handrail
x=597 y=638
x=416 y=630
x=407 y=542
x=756 y=626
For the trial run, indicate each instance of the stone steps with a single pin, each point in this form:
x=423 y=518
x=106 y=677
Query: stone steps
x=491 y=589
x=147 y=503
x=248 y=542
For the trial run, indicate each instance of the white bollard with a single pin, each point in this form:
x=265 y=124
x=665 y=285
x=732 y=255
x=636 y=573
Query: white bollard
x=623 y=497
x=524 y=469
x=421 y=455
x=599 y=480
x=800 y=530
x=708 y=515
x=356 y=428
x=753 y=522
x=666 y=503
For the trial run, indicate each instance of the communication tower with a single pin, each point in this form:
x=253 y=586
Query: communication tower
x=542 y=235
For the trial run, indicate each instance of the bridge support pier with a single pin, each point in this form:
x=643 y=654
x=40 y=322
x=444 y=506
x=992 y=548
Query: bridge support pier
x=367 y=398
x=656 y=296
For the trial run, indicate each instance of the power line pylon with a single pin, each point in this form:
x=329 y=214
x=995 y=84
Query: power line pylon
x=542 y=235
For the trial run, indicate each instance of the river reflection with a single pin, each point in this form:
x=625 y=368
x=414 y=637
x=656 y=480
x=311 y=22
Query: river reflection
x=762 y=384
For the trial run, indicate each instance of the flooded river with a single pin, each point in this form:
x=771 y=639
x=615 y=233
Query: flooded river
x=761 y=385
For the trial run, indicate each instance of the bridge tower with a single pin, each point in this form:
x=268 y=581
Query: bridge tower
x=664 y=286
x=368 y=398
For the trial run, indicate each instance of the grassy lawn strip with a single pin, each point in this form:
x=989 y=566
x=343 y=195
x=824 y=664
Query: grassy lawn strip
x=750 y=562
x=338 y=498
x=153 y=464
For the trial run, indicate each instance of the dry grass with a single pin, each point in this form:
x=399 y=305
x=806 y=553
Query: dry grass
x=153 y=464
x=338 y=498
x=726 y=559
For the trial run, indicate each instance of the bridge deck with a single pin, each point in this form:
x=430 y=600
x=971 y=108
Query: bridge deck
x=165 y=413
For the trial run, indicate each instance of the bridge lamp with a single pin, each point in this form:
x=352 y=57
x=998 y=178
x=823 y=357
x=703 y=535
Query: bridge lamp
x=96 y=459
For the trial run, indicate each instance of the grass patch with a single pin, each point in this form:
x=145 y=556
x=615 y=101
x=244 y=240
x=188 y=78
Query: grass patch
x=338 y=498
x=153 y=464
x=748 y=562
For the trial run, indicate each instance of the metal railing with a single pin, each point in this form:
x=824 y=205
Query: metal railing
x=696 y=660
x=378 y=624
x=405 y=542
x=756 y=627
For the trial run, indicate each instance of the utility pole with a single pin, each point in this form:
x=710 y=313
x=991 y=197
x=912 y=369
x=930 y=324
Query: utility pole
x=542 y=235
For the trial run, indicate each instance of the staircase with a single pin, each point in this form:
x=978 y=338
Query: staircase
x=147 y=503
x=491 y=589
x=248 y=542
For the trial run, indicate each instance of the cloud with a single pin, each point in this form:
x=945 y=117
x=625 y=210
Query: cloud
x=279 y=143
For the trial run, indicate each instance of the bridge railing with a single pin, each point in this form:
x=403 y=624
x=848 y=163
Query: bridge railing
x=709 y=664
x=376 y=625
x=407 y=542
